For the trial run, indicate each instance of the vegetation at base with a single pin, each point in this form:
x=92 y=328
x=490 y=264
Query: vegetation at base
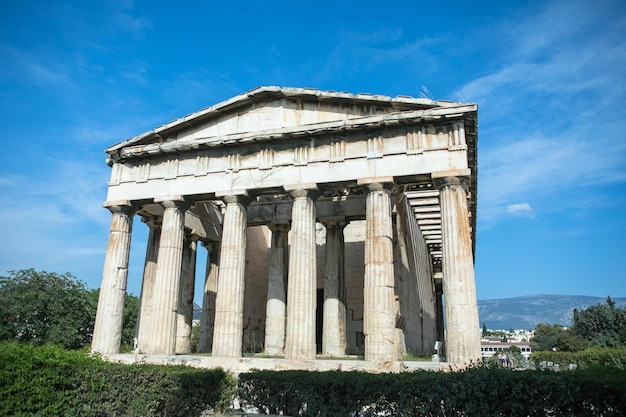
x=50 y=381
x=593 y=356
x=477 y=391
x=601 y=325
x=42 y=307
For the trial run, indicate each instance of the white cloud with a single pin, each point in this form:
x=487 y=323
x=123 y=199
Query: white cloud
x=552 y=109
x=520 y=210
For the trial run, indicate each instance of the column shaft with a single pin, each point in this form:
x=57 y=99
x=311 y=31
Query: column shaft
x=301 y=291
x=459 y=289
x=167 y=279
x=334 y=324
x=107 y=332
x=185 y=308
x=207 y=321
x=379 y=312
x=228 y=332
x=144 y=319
x=276 y=293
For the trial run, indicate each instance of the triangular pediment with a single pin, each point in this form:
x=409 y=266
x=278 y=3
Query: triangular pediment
x=273 y=108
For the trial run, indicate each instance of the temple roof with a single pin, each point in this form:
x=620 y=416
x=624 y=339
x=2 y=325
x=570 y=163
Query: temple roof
x=343 y=109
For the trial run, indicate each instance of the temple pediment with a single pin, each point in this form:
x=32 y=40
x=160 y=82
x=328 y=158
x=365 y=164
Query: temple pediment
x=273 y=112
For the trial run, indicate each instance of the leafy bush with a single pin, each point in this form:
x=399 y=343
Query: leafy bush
x=37 y=381
x=49 y=381
x=45 y=308
x=478 y=391
x=593 y=356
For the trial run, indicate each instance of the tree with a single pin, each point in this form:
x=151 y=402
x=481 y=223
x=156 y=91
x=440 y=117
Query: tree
x=569 y=341
x=602 y=324
x=546 y=336
x=44 y=307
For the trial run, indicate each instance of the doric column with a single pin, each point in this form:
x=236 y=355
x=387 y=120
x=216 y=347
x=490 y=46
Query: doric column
x=379 y=310
x=144 y=319
x=459 y=289
x=185 y=306
x=207 y=320
x=439 y=310
x=276 y=290
x=167 y=279
x=334 y=324
x=107 y=333
x=228 y=331
x=302 y=286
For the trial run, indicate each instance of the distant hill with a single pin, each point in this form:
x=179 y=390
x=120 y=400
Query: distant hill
x=527 y=311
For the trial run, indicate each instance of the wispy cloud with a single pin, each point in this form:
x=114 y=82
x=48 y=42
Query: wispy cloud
x=553 y=108
x=520 y=210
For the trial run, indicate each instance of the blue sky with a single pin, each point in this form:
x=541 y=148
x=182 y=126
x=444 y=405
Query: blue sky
x=549 y=78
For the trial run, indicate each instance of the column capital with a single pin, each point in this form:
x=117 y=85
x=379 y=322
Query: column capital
x=449 y=178
x=377 y=183
x=121 y=206
x=445 y=182
x=173 y=201
x=210 y=245
x=152 y=221
x=334 y=222
x=303 y=190
x=234 y=197
x=279 y=225
x=190 y=235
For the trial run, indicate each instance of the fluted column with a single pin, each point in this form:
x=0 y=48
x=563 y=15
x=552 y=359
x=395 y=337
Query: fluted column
x=276 y=290
x=185 y=306
x=459 y=289
x=144 y=319
x=439 y=314
x=228 y=331
x=334 y=324
x=302 y=288
x=207 y=320
x=167 y=279
x=107 y=333
x=379 y=311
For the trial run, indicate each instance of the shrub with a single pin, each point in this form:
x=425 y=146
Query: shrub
x=49 y=381
x=592 y=356
x=478 y=391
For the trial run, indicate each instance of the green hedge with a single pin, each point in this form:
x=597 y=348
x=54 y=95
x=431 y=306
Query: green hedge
x=593 y=356
x=49 y=381
x=481 y=391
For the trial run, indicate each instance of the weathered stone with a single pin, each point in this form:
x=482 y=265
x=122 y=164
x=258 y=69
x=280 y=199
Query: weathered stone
x=166 y=295
x=228 y=331
x=301 y=289
x=400 y=172
x=276 y=291
x=107 y=333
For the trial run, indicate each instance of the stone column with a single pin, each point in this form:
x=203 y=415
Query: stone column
x=439 y=312
x=276 y=293
x=459 y=289
x=185 y=307
x=107 y=333
x=334 y=324
x=302 y=286
x=207 y=321
x=379 y=310
x=144 y=319
x=228 y=331
x=167 y=279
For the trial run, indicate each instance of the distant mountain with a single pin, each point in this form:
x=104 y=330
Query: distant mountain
x=527 y=311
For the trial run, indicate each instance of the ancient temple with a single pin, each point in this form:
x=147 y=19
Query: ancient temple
x=334 y=224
